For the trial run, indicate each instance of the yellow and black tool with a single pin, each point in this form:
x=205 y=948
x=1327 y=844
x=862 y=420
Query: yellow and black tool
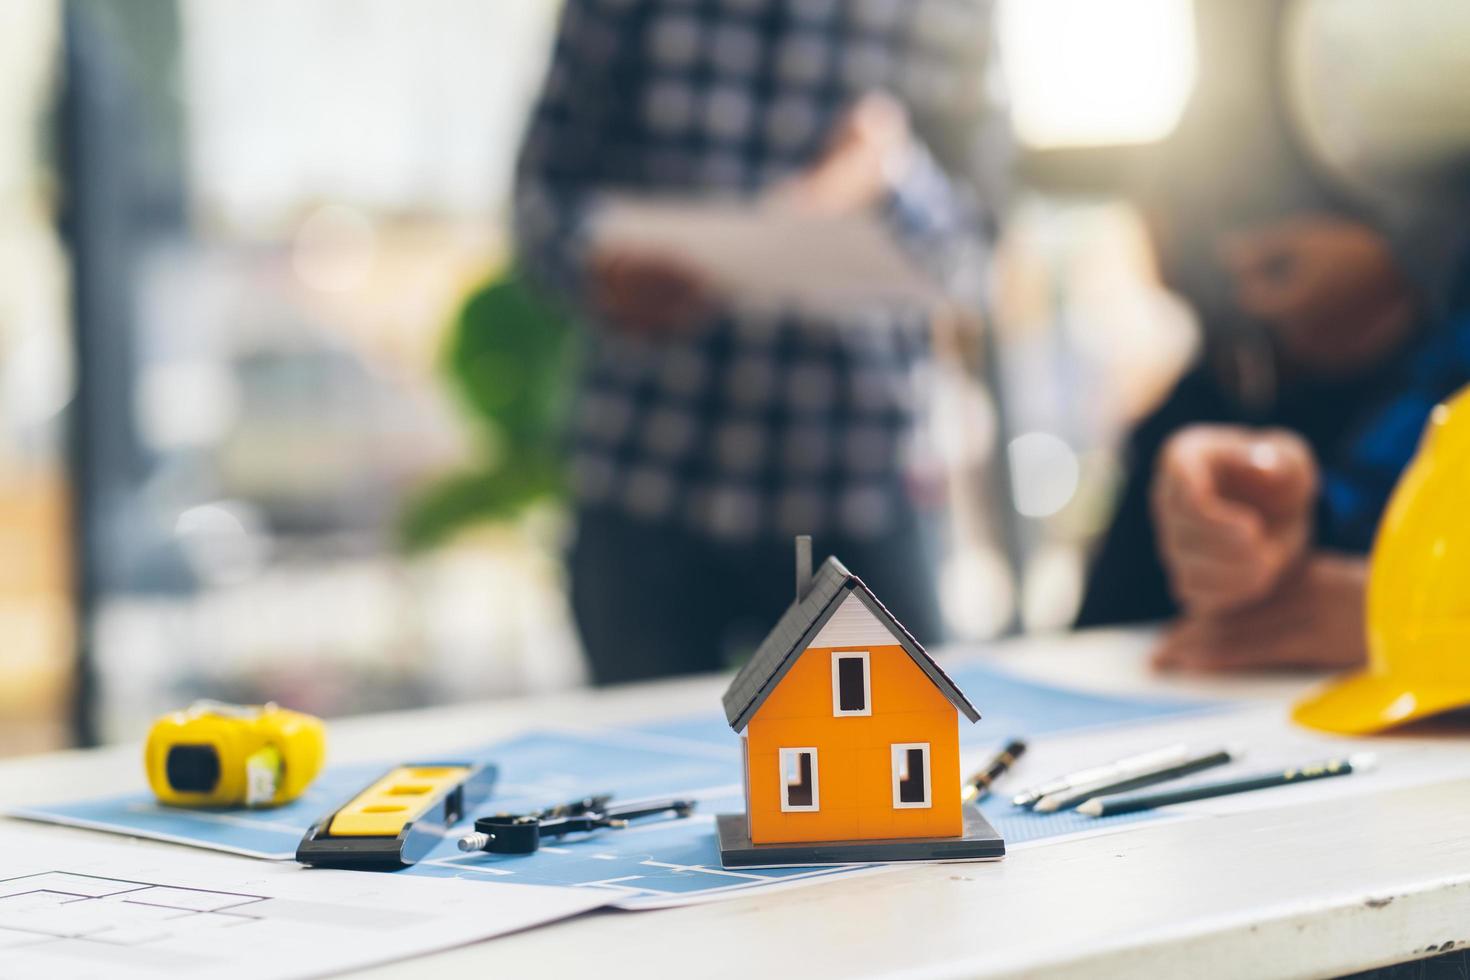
x=227 y=755
x=399 y=818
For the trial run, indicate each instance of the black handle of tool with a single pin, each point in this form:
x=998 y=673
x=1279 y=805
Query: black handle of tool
x=613 y=816
x=521 y=834
x=649 y=808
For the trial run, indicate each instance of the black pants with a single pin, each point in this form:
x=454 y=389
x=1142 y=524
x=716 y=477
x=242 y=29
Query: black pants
x=653 y=600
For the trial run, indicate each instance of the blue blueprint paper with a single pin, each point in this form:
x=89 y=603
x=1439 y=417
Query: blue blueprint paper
x=649 y=863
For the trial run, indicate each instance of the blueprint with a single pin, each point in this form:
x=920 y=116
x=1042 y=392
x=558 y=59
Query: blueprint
x=650 y=864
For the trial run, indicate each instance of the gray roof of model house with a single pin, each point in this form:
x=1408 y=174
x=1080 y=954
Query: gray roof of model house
x=799 y=626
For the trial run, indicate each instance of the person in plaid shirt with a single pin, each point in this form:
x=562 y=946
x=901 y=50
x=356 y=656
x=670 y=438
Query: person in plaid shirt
x=706 y=434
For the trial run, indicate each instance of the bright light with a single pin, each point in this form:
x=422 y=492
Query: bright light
x=334 y=249
x=225 y=542
x=1044 y=473
x=976 y=593
x=1095 y=73
x=1379 y=88
x=184 y=404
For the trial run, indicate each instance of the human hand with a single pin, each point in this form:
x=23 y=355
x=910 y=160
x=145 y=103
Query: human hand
x=868 y=151
x=647 y=293
x=1233 y=511
x=1329 y=286
x=1313 y=619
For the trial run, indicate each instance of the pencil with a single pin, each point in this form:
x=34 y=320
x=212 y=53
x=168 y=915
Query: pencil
x=1137 y=780
x=978 y=785
x=1113 y=770
x=1106 y=806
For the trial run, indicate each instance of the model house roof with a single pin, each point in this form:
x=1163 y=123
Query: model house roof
x=800 y=624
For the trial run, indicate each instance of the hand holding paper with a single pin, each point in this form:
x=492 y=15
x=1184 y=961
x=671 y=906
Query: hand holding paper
x=869 y=151
x=647 y=291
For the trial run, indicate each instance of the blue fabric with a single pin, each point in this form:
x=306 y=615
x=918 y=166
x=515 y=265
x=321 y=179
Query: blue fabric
x=1356 y=487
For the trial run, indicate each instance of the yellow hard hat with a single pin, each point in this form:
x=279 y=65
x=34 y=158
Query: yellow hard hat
x=1418 y=594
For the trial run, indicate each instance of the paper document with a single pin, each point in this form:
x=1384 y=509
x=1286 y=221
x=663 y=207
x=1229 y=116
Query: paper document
x=766 y=254
x=73 y=908
x=652 y=865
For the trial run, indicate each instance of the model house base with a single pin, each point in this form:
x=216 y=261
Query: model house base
x=980 y=842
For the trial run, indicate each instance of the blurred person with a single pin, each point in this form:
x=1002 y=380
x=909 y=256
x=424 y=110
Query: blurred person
x=1254 y=523
x=706 y=435
x=1253 y=492
x=1262 y=533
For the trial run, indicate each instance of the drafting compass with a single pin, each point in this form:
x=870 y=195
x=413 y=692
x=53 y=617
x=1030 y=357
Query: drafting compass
x=508 y=833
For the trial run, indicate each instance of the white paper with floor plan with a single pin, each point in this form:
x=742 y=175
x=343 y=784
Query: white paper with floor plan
x=74 y=908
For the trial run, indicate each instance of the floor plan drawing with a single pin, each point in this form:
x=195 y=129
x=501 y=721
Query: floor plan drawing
x=124 y=911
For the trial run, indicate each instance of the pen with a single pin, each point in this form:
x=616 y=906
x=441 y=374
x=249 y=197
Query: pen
x=1105 y=806
x=1113 y=770
x=978 y=785
x=1069 y=798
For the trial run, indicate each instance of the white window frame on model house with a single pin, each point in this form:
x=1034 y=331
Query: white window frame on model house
x=899 y=756
x=789 y=758
x=867 y=709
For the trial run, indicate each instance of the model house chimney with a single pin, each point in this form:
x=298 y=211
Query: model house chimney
x=803 y=565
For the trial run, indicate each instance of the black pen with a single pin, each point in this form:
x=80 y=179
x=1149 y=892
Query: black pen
x=1106 y=806
x=979 y=784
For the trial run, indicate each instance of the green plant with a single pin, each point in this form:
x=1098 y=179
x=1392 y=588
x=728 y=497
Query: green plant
x=509 y=358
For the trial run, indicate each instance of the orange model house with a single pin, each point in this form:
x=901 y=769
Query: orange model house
x=850 y=735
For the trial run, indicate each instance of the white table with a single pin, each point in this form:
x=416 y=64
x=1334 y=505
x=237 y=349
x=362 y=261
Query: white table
x=1317 y=888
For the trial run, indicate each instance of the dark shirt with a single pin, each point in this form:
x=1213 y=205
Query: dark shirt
x=1363 y=433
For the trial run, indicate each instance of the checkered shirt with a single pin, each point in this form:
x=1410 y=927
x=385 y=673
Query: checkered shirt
x=757 y=423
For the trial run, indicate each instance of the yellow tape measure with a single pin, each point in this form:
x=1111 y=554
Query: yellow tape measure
x=223 y=755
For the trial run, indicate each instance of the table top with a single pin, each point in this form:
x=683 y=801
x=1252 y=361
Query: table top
x=1317 y=888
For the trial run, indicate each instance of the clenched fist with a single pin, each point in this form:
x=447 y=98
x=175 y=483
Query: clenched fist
x=1233 y=510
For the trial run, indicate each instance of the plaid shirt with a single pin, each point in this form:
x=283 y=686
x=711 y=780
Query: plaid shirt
x=769 y=423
